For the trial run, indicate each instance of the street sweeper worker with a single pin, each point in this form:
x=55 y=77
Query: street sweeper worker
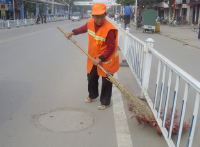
x=103 y=48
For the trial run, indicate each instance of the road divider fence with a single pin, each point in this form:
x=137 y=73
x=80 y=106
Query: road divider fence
x=170 y=81
x=25 y=22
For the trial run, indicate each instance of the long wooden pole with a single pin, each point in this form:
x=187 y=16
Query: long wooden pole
x=81 y=49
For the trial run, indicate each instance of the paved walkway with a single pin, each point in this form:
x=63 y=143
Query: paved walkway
x=183 y=34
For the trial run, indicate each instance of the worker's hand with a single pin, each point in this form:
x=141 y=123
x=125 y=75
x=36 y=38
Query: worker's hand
x=69 y=34
x=96 y=61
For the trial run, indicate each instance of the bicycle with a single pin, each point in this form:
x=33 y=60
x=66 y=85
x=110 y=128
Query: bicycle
x=194 y=27
x=173 y=23
x=179 y=23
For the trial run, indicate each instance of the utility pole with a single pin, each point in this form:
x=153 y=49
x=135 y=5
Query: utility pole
x=67 y=5
x=52 y=7
x=135 y=11
x=14 y=9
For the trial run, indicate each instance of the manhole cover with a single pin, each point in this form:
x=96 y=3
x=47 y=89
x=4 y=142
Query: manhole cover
x=64 y=120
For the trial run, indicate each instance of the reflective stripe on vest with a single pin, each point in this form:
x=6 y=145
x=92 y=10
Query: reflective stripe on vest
x=96 y=37
x=116 y=53
x=111 y=59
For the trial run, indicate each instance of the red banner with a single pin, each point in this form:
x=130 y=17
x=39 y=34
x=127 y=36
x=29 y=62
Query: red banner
x=192 y=6
x=2 y=6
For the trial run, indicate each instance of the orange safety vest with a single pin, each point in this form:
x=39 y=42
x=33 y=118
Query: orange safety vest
x=97 y=45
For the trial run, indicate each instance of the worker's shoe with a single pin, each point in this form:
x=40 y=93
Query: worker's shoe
x=88 y=100
x=102 y=107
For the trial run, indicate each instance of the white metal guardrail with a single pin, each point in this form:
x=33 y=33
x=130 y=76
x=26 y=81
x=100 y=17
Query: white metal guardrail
x=139 y=56
x=24 y=22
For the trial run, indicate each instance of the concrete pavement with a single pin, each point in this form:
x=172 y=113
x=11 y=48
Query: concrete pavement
x=183 y=34
x=49 y=81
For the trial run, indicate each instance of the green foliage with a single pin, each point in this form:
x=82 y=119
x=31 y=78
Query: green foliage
x=142 y=3
x=124 y=2
x=42 y=8
x=30 y=7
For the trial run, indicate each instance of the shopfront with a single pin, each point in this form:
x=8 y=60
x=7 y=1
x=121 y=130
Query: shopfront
x=194 y=5
x=5 y=9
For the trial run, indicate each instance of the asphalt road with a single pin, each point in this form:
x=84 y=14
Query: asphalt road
x=42 y=71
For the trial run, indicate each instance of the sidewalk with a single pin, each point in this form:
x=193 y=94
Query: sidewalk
x=183 y=34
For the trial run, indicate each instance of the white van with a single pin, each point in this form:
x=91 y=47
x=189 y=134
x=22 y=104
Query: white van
x=76 y=16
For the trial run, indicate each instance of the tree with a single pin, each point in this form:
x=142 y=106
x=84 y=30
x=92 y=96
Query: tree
x=42 y=8
x=124 y=2
x=29 y=8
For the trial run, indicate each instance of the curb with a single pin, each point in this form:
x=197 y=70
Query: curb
x=184 y=42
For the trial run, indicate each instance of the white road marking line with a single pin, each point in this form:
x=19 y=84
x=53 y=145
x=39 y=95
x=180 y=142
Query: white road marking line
x=10 y=39
x=121 y=126
x=6 y=40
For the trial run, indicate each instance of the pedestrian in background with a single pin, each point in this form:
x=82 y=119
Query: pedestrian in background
x=139 y=20
x=45 y=18
x=127 y=11
x=103 y=48
x=116 y=17
x=42 y=18
x=4 y=19
x=199 y=32
x=38 y=19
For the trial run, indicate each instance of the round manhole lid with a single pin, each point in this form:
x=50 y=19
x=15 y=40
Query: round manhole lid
x=64 y=120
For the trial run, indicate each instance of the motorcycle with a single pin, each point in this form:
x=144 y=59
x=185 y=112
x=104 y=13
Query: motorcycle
x=158 y=19
x=38 y=21
x=179 y=23
x=165 y=21
x=139 y=25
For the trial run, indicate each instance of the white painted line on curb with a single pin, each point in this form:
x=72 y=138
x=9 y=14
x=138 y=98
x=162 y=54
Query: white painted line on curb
x=121 y=126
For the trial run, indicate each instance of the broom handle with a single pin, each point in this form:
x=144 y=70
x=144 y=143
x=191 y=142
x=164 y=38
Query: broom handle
x=81 y=49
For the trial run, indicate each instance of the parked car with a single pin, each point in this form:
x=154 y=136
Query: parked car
x=86 y=16
x=76 y=16
x=50 y=15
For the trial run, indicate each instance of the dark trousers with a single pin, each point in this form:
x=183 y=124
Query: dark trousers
x=138 y=24
x=106 y=89
x=126 y=20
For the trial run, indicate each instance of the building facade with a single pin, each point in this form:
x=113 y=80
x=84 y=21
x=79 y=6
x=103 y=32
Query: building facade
x=187 y=9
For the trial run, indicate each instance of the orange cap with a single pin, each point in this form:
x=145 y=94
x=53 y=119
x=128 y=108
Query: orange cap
x=98 y=8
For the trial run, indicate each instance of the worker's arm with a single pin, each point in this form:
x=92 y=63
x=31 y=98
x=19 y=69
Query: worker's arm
x=77 y=31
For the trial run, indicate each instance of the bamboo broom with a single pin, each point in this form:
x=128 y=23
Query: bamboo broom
x=140 y=107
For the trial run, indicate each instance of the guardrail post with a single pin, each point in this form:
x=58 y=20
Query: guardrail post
x=25 y=22
x=124 y=62
x=115 y=23
x=17 y=23
x=8 y=24
x=31 y=21
x=119 y=26
x=147 y=66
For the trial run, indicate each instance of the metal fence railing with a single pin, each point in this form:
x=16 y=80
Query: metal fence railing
x=175 y=84
x=24 y=22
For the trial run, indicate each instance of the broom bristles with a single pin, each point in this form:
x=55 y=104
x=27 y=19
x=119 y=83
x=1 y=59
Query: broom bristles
x=140 y=107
